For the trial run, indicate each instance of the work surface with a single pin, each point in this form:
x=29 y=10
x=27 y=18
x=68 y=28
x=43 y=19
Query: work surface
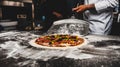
x=15 y=51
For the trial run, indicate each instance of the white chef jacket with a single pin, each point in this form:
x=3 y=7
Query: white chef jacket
x=100 y=20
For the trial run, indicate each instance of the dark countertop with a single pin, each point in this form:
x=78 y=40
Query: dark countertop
x=15 y=51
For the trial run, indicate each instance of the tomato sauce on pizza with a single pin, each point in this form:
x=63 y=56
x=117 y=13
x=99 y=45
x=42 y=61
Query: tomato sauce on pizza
x=59 y=40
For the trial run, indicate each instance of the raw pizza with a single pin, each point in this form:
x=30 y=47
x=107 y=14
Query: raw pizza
x=59 y=40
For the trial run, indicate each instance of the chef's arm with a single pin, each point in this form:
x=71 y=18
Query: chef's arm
x=99 y=6
x=105 y=5
x=82 y=8
x=58 y=15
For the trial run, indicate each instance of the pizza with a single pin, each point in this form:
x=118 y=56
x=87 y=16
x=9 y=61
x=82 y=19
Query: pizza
x=59 y=40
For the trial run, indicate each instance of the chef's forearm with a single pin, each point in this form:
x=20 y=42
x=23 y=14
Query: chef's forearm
x=83 y=8
x=90 y=6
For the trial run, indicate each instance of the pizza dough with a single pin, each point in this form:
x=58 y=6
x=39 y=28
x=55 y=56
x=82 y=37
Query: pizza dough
x=58 y=41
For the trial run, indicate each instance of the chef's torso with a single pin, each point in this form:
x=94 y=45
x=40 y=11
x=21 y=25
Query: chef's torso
x=100 y=22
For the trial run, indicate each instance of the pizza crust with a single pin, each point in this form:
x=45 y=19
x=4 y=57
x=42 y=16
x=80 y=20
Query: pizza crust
x=66 y=46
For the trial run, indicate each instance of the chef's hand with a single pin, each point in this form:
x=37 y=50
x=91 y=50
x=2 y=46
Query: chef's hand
x=82 y=8
x=58 y=15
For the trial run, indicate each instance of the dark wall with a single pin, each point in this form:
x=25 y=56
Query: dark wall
x=11 y=12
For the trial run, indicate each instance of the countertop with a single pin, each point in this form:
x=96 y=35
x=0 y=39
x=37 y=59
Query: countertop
x=100 y=51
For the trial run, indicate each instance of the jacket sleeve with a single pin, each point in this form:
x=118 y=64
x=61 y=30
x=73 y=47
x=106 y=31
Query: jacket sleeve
x=105 y=5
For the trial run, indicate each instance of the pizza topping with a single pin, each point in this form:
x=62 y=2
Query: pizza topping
x=59 y=40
